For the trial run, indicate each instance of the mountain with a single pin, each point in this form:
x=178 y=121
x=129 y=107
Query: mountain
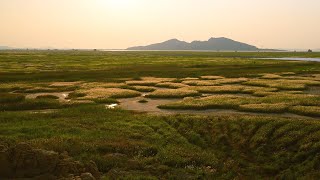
x=4 y=47
x=213 y=44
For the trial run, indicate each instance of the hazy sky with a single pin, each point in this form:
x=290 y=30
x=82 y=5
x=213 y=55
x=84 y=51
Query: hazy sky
x=123 y=23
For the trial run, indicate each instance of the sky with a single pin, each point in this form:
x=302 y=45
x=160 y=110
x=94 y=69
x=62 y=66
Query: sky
x=117 y=24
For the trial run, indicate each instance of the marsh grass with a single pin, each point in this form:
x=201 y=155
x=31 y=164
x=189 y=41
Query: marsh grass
x=142 y=83
x=10 y=87
x=149 y=81
x=104 y=100
x=64 y=84
x=108 y=93
x=214 y=101
x=122 y=143
x=74 y=95
x=128 y=145
x=219 y=89
x=31 y=104
x=11 y=98
x=306 y=110
x=284 y=84
x=231 y=80
x=200 y=82
x=89 y=85
x=265 y=108
x=271 y=103
x=211 y=77
x=173 y=93
x=171 y=85
x=214 y=82
x=48 y=89
x=271 y=76
x=140 y=88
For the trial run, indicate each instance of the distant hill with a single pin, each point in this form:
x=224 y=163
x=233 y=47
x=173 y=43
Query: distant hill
x=5 y=47
x=213 y=44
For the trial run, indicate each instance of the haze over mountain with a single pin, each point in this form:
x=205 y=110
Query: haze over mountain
x=5 y=47
x=213 y=44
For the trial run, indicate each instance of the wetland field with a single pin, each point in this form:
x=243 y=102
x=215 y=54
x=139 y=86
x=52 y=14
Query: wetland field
x=167 y=115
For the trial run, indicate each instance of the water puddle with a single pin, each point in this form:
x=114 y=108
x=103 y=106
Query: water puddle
x=61 y=95
x=133 y=104
x=150 y=106
x=293 y=59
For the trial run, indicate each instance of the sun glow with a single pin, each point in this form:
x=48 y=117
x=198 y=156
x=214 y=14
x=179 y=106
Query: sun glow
x=120 y=4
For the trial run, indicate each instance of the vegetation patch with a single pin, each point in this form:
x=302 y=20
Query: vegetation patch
x=271 y=76
x=108 y=93
x=171 y=85
x=292 y=99
x=158 y=79
x=219 y=89
x=173 y=93
x=306 y=110
x=89 y=85
x=211 y=77
x=11 y=98
x=31 y=104
x=142 y=83
x=9 y=87
x=231 y=80
x=214 y=101
x=63 y=84
x=265 y=108
x=75 y=95
x=104 y=100
x=284 y=84
x=200 y=82
x=190 y=79
x=140 y=88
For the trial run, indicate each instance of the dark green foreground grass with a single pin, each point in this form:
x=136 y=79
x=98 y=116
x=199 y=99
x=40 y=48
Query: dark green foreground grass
x=124 y=144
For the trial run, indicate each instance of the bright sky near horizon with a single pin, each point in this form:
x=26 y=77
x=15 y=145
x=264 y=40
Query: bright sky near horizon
x=291 y=24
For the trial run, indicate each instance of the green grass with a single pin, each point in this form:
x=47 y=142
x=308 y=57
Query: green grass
x=272 y=103
x=140 y=88
x=101 y=66
x=173 y=93
x=31 y=104
x=306 y=110
x=265 y=108
x=132 y=145
x=11 y=98
x=173 y=146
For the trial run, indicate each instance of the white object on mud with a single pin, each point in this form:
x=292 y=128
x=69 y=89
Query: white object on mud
x=111 y=106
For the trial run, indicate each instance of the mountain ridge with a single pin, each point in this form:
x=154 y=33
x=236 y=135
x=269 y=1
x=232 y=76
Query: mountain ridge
x=214 y=44
x=5 y=47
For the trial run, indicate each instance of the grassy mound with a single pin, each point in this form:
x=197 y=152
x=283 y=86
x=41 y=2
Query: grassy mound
x=108 y=93
x=172 y=93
